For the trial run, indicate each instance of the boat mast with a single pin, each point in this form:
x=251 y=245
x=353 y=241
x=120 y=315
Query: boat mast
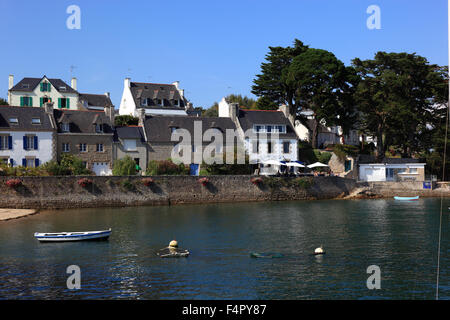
x=445 y=150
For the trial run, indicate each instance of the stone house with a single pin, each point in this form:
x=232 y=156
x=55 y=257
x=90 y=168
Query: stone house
x=185 y=138
x=131 y=141
x=27 y=136
x=88 y=135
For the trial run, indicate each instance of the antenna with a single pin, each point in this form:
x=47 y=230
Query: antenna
x=71 y=70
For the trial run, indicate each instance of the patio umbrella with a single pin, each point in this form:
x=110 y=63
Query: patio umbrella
x=295 y=164
x=272 y=162
x=317 y=165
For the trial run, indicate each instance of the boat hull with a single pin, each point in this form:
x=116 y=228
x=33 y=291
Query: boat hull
x=73 y=236
x=406 y=198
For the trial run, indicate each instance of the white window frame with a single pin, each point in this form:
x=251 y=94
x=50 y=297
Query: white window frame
x=65 y=147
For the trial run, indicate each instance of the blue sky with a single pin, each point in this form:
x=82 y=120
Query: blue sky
x=212 y=47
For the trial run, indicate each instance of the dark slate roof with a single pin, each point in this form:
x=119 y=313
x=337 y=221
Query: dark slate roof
x=96 y=100
x=152 y=91
x=367 y=159
x=33 y=82
x=83 y=121
x=132 y=132
x=248 y=118
x=24 y=116
x=158 y=128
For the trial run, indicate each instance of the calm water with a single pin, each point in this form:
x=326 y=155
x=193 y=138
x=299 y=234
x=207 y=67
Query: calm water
x=401 y=238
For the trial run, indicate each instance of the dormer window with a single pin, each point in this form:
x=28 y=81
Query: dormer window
x=65 y=127
x=99 y=128
x=144 y=102
x=175 y=102
x=14 y=120
x=159 y=102
x=45 y=87
x=63 y=88
x=25 y=86
x=36 y=120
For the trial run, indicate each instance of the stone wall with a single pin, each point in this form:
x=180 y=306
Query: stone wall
x=64 y=192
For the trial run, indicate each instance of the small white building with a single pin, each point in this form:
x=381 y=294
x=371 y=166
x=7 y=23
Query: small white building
x=392 y=169
x=155 y=98
x=27 y=136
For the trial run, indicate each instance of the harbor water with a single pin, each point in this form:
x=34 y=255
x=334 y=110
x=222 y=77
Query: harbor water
x=401 y=238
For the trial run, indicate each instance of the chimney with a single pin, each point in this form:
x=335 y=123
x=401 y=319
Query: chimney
x=126 y=82
x=110 y=113
x=11 y=81
x=48 y=107
x=141 y=116
x=234 y=107
x=107 y=94
x=181 y=92
x=285 y=109
x=73 y=83
x=176 y=84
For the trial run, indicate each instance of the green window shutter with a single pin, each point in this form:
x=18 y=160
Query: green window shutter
x=21 y=101
x=30 y=102
x=41 y=101
x=49 y=87
x=67 y=103
x=41 y=86
x=59 y=103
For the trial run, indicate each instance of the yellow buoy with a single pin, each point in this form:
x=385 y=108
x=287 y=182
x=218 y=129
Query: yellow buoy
x=173 y=244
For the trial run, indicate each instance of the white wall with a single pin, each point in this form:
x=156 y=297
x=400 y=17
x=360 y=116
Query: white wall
x=44 y=152
x=36 y=94
x=277 y=150
x=127 y=105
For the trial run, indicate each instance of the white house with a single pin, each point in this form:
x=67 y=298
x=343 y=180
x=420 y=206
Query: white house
x=155 y=98
x=27 y=136
x=267 y=134
x=35 y=92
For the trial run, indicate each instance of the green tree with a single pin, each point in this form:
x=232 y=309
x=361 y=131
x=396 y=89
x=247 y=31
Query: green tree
x=3 y=102
x=126 y=120
x=74 y=164
x=395 y=98
x=323 y=84
x=124 y=167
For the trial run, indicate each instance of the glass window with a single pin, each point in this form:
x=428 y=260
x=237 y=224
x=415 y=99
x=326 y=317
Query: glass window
x=412 y=170
x=14 y=120
x=269 y=147
x=65 y=127
x=99 y=147
x=65 y=147
x=83 y=147
x=36 y=120
x=286 y=147
x=129 y=145
x=99 y=128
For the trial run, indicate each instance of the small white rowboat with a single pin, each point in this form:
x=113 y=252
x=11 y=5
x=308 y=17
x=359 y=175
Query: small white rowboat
x=73 y=236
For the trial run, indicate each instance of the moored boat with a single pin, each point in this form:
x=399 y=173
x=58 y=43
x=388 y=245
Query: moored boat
x=73 y=236
x=407 y=198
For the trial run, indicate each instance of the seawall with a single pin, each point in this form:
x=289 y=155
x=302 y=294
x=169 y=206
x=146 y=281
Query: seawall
x=65 y=192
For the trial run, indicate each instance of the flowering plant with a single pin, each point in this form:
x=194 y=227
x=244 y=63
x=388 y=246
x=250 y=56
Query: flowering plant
x=257 y=180
x=204 y=181
x=13 y=183
x=84 y=182
x=147 y=181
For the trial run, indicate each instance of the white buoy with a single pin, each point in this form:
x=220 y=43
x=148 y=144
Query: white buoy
x=173 y=244
x=319 y=250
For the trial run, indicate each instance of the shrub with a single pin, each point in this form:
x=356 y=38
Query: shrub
x=74 y=164
x=53 y=168
x=126 y=120
x=344 y=150
x=256 y=181
x=147 y=181
x=124 y=167
x=84 y=182
x=166 y=167
x=13 y=183
x=127 y=185
x=203 y=181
